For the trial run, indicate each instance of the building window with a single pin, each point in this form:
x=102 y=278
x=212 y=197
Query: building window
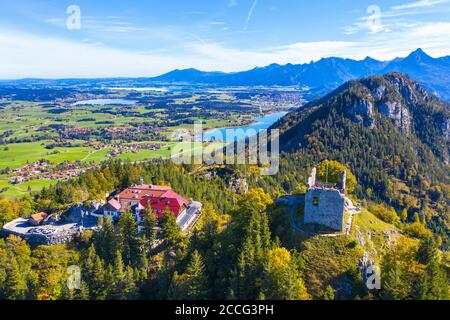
x=316 y=201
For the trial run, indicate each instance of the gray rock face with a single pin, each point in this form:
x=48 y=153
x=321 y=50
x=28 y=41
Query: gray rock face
x=398 y=113
x=378 y=92
x=362 y=112
x=239 y=185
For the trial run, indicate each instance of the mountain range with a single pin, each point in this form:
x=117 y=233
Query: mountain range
x=326 y=74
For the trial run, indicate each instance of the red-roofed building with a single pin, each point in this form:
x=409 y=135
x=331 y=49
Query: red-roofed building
x=169 y=200
x=137 y=197
x=160 y=198
x=132 y=196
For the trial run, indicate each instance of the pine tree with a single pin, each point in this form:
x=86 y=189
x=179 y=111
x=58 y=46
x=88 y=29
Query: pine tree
x=170 y=230
x=329 y=293
x=106 y=242
x=83 y=293
x=118 y=278
x=130 y=243
x=149 y=223
x=392 y=282
x=130 y=288
x=197 y=282
x=433 y=283
x=427 y=251
x=94 y=272
x=404 y=215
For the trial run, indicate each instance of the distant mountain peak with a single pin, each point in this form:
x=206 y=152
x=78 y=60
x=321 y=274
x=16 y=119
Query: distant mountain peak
x=370 y=59
x=419 y=54
x=326 y=74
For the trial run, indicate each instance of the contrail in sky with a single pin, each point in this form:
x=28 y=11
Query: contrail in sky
x=250 y=12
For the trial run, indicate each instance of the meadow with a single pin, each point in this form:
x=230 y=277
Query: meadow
x=34 y=127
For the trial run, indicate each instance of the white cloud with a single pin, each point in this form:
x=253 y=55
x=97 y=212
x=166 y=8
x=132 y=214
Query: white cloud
x=419 y=4
x=26 y=55
x=434 y=30
x=232 y=3
x=394 y=18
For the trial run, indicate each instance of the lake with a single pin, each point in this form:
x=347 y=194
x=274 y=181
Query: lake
x=260 y=123
x=105 y=102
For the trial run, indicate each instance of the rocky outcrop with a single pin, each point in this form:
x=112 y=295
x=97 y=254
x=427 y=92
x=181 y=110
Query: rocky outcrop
x=238 y=185
x=398 y=113
x=362 y=112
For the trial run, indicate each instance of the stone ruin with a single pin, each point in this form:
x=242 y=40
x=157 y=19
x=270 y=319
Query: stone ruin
x=325 y=202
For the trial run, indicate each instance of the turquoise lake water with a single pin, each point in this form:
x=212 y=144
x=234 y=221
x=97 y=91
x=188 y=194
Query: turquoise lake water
x=261 y=123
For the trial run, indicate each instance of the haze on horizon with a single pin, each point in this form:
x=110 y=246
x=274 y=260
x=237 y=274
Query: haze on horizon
x=148 y=38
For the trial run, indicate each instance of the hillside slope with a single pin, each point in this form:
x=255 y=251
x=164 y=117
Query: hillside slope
x=393 y=134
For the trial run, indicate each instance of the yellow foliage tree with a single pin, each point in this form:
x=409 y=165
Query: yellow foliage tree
x=283 y=279
x=334 y=170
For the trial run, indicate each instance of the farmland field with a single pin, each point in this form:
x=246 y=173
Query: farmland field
x=54 y=134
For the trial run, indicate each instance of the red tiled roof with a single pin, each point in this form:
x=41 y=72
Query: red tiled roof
x=38 y=217
x=170 y=194
x=168 y=200
x=141 y=191
x=132 y=195
x=114 y=203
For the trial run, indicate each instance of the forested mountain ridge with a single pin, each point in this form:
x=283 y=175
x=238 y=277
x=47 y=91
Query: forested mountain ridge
x=391 y=132
x=412 y=110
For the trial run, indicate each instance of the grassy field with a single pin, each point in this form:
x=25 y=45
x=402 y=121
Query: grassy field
x=15 y=155
x=17 y=191
x=22 y=121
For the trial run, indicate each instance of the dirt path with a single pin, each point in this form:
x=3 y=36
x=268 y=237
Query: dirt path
x=351 y=210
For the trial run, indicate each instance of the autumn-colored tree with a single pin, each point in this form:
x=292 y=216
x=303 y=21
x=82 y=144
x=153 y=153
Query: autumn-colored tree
x=282 y=279
x=400 y=270
x=330 y=170
x=49 y=270
x=404 y=215
x=8 y=211
x=329 y=293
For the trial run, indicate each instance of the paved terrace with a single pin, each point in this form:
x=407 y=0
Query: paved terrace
x=190 y=217
x=50 y=234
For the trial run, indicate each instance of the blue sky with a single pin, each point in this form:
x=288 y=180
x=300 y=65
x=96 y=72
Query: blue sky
x=146 y=38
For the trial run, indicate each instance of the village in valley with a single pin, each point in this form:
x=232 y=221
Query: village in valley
x=61 y=133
